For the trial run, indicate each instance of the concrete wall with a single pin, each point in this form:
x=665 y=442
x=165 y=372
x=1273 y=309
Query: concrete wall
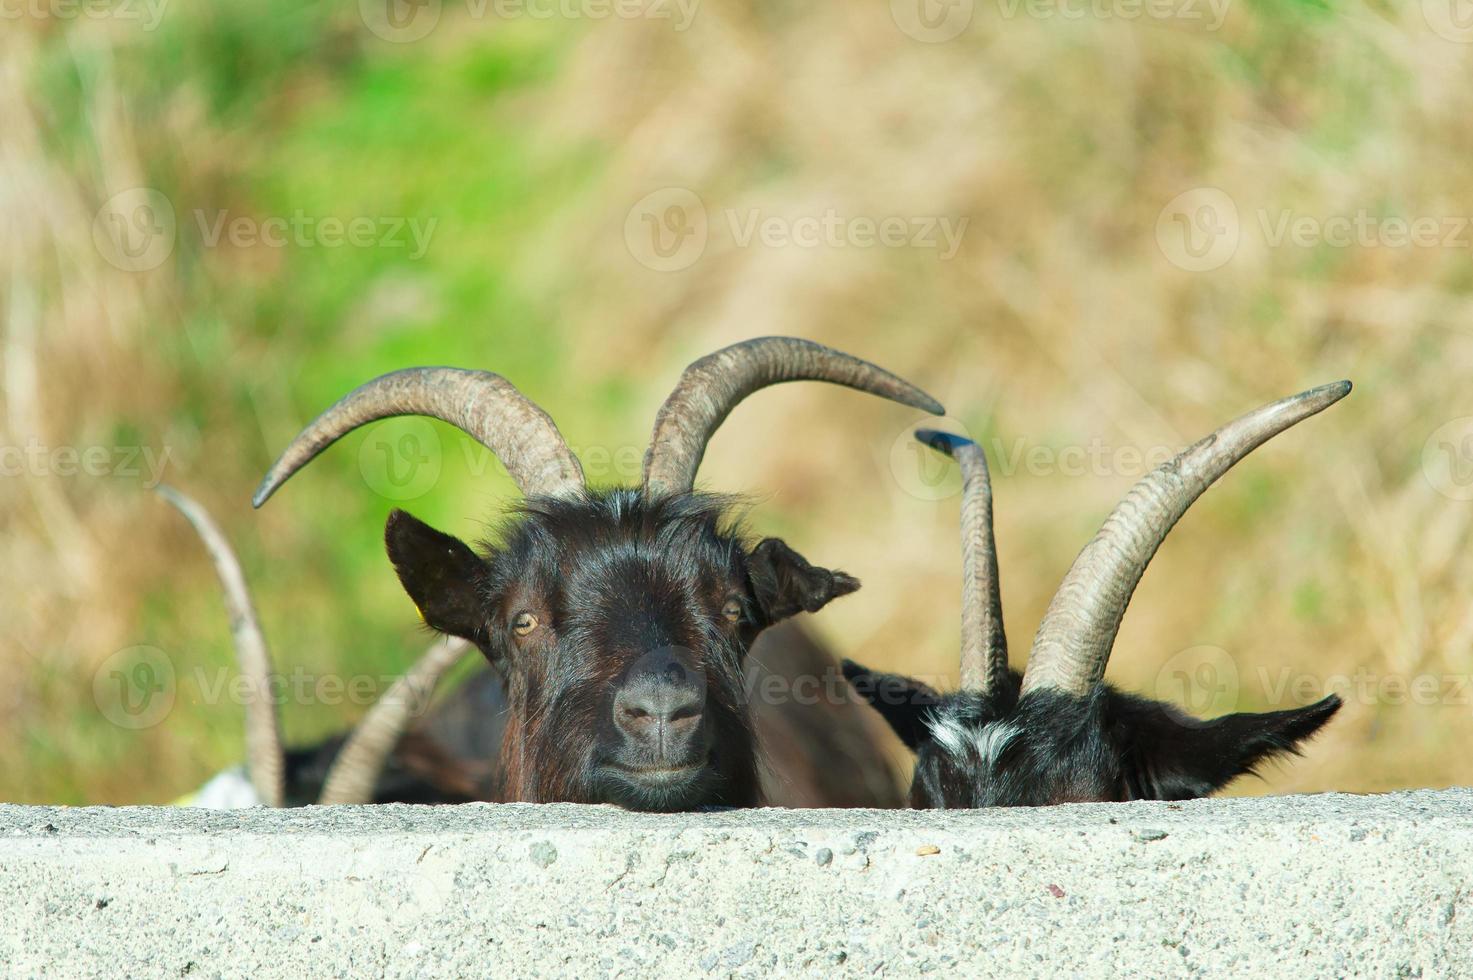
x=1295 y=886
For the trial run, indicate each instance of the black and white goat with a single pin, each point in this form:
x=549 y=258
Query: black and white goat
x=1058 y=733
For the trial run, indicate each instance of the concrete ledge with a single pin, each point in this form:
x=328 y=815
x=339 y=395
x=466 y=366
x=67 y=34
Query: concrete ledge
x=1318 y=885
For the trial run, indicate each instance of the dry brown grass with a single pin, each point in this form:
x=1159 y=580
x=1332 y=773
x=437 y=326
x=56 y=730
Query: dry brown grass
x=1060 y=322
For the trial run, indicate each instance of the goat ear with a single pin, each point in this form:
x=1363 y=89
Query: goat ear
x=901 y=701
x=440 y=573
x=785 y=584
x=1173 y=756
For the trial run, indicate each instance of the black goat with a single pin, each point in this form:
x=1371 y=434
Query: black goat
x=620 y=619
x=823 y=746
x=1058 y=733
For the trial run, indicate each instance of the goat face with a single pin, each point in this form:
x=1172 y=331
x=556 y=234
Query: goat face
x=620 y=625
x=1048 y=747
x=1058 y=733
x=618 y=618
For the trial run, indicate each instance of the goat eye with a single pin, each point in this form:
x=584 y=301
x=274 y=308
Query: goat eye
x=732 y=610
x=524 y=623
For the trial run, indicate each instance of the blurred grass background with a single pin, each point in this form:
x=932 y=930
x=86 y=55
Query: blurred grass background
x=1060 y=323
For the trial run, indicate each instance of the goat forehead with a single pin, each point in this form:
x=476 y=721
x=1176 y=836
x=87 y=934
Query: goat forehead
x=633 y=605
x=968 y=742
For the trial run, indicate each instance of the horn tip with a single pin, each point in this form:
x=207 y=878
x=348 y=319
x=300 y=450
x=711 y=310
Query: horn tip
x=942 y=442
x=1332 y=392
x=263 y=493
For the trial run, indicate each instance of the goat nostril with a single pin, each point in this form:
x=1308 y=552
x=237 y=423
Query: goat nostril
x=686 y=713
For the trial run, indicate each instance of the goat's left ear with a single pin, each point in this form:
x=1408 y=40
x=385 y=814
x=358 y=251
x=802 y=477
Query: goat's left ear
x=785 y=583
x=1173 y=756
x=903 y=702
x=440 y=573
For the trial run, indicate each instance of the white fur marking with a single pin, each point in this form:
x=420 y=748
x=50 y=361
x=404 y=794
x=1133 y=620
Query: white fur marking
x=959 y=739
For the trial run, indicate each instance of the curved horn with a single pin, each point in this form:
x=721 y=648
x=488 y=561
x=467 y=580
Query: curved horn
x=711 y=387
x=1074 y=640
x=361 y=760
x=483 y=405
x=984 y=661
x=264 y=756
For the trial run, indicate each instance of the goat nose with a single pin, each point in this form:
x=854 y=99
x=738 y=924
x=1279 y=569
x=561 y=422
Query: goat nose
x=660 y=703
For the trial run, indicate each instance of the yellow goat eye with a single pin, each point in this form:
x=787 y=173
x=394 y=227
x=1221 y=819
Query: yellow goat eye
x=524 y=623
x=732 y=610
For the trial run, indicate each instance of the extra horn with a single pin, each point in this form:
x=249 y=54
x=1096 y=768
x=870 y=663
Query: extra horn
x=485 y=406
x=713 y=386
x=1074 y=640
x=984 y=660
x=264 y=756
x=360 y=762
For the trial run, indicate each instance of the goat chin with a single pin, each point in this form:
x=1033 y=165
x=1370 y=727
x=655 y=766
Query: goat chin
x=819 y=745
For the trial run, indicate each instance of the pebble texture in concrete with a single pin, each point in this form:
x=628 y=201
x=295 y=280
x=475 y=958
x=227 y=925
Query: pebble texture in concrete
x=1293 y=886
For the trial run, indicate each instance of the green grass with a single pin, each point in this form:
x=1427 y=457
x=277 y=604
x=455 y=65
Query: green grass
x=330 y=123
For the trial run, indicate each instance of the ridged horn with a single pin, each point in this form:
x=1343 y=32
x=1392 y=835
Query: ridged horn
x=264 y=755
x=714 y=385
x=359 y=763
x=1074 y=640
x=483 y=405
x=984 y=659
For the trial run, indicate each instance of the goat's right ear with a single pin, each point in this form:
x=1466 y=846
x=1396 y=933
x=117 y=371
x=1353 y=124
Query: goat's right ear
x=786 y=583
x=1173 y=756
x=901 y=701
x=440 y=573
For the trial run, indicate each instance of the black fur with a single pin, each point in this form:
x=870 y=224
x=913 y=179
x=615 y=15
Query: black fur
x=613 y=579
x=1048 y=747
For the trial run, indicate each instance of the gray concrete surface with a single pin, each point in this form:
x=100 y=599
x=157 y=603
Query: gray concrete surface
x=1293 y=886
